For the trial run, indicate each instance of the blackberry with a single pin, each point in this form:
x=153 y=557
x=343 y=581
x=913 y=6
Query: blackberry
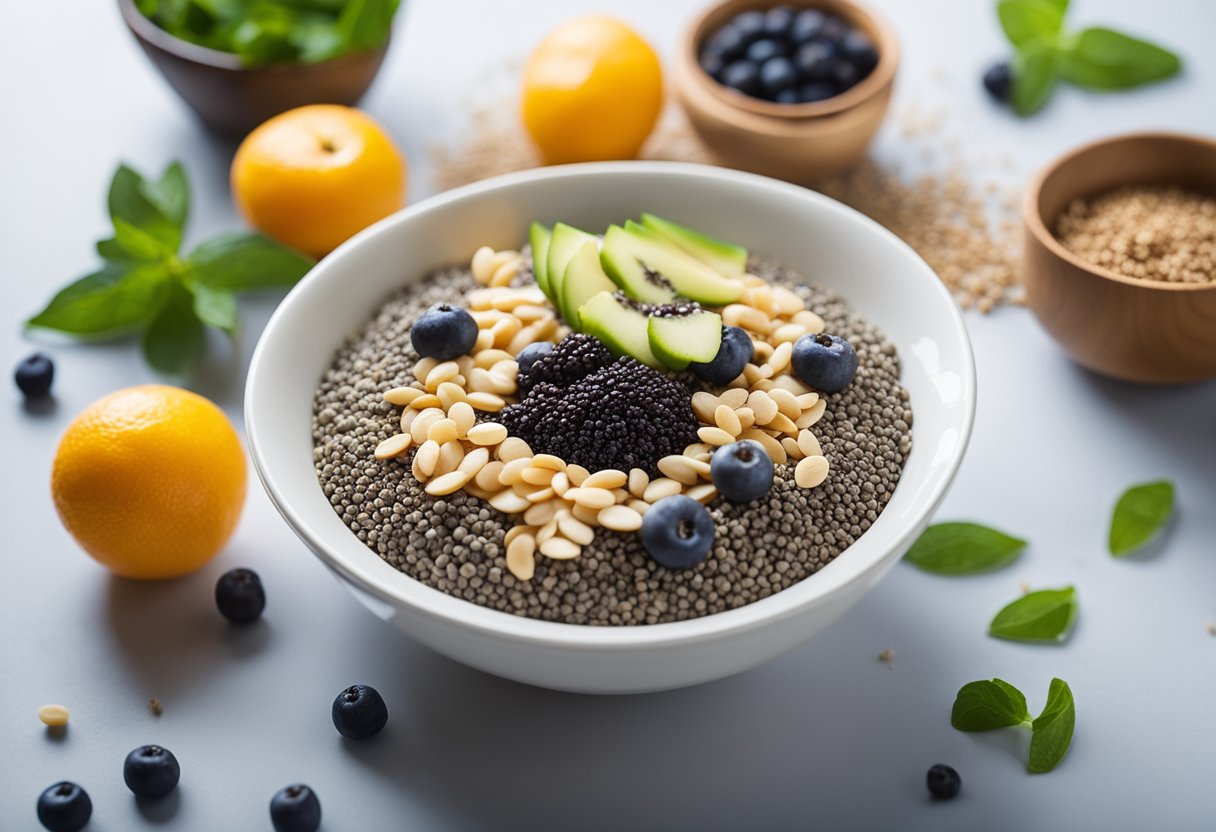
x=571 y=359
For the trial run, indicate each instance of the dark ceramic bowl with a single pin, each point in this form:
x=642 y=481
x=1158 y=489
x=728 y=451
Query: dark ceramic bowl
x=232 y=99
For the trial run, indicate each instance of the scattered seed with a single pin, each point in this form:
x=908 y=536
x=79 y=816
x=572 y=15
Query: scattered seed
x=54 y=716
x=154 y=707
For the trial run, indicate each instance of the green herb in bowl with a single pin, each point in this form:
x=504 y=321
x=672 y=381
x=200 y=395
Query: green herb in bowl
x=264 y=32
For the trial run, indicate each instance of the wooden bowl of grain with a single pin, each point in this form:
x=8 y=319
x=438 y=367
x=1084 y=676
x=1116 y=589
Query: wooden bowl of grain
x=1120 y=256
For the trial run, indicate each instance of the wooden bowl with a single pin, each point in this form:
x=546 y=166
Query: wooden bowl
x=1124 y=327
x=796 y=142
x=230 y=98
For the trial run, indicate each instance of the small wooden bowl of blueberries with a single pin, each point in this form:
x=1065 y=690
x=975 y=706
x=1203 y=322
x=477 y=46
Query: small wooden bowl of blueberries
x=794 y=91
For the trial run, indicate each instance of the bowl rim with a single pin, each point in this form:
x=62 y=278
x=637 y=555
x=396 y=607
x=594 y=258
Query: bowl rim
x=148 y=32
x=440 y=606
x=1032 y=217
x=887 y=44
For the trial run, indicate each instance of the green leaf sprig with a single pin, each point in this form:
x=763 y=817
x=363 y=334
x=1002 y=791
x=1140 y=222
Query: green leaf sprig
x=1097 y=58
x=963 y=549
x=1043 y=617
x=988 y=705
x=144 y=285
x=1142 y=512
x=276 y=31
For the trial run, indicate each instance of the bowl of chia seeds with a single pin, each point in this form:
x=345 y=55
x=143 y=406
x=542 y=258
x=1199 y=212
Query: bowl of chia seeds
x=513 y=502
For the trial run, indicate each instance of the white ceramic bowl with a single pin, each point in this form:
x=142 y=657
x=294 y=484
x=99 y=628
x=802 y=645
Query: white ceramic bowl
x=828 y=242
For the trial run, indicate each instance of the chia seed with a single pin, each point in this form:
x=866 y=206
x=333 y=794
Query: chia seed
x=454 y=543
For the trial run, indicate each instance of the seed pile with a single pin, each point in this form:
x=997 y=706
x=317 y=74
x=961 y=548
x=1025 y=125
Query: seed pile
x=456 y=542
x=1146 y=232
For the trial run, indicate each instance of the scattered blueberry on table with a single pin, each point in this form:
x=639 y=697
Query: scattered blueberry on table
x=678 y=532
x=943 y=782
x=825 y=362
x=64 y=807
x=788 y=56
x=240 y=596
x=34 y=375
x=742 y=471
x=151 y=771
x=295 y=808
x=444 y=332
x=998 y=80
x=359 y=712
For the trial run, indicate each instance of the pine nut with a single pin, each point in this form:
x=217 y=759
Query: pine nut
x=639 y=505
x=574 y=529
x=449 y=394
x=511 y=448
x=787 y=302
x=422 y=423
x=682 y=469
x=445 y=371
x=422 y=367
x=808 y=444
x=763 y=406
x=450 y=456
x=813 y=323
x=733 y=398
x=483 y=264
x=443 y=430
x=401 y=396
x=787 y=402
x=474 y=461
x=485 y=340
x=533 y=475
x=426 y=458
x=53 y=715
x=487 y=318
x=553 y=463
x=606 y=478
x=703 y=405
x=560 y=483
x=771 y=446
x=703 y=493
x=788 y=382
x=541 y=513
x=500 y=385
x=590 y=516
x=638 y=480
x=788 y=333
x=548 y=530
x=780 y=359
x=505 y=330
x=508 y=502
x=394 y=446
x=594 y=498
x=714 y=436
x=426 y=402
x=660 y=488
x=792 y=451
x=407 y=419
x=487 y=477
x=811 y=471
x=783 y=424
x=577 y=474
x=753 y=373
x=521 y=556
x=738 y=314
x=747 y=418
x=512 y=472
x=486 y=359
x=462 y=415
x=812 y=415
x=539 y=495
x=726 y=419
x=489 y=433
x=447 y=483
x=620 y=518
x=807 y=400
x=488 y=402
x=514 y=532
x=559 y=548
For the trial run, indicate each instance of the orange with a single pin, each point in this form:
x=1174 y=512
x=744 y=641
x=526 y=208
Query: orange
x=314 y=176
x=593 y=90
x=150 y=481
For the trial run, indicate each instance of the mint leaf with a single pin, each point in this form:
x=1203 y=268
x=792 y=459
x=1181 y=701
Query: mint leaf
x=215 y=307
x=1103 y=59
x=1141 y=512
x=174 y=340
x=1052 y=729
x=987 y=705
x=116 y=299
x=132 y=243
x=1043 y=616
x=171 y=194
x=364 y=24
x=963 y=549
x=129 y=201
x=1035 y=73
x=1028 y=22
x=240 y=262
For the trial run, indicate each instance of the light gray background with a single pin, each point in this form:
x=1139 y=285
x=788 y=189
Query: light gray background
x=826 y=736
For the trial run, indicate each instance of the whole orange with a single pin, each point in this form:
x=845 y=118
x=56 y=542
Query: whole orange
x=150 y=481
x=314 y=176
x=593 y=90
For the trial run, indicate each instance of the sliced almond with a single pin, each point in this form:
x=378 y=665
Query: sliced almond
x=443 y=371
x=682 y=469
x=725 y=418
x=747 y=418
x=537 y=476
x=516 y=531
x=783 y=424
x=812 y=415
x=703 y=405
x=577 y=474
x=474 y=461
x=461 y=413
x=539 y=495
x=703 y=493
x=787 y=333
x=775 y=452
x=553 y=463
x=590 y=516
x=780 y=359
x=792 y=451
x=560 y=483
x=426 y=402
x=521 y=556
x=513 y=472
x=451 y=454
x=808 y=444
x=443 y=430
x=763 y=406
x=735 y=397
x=485 y=359
x=538 y=514
x=422 y=367
x=487 y=402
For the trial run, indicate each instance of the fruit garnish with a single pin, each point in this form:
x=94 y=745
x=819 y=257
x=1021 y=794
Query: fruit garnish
x=539 y=237
x=584 y=279
x=742 y=471
x=735 y=351
x=681 y=333
x=621 y=324
x=825 y=362
x=678 y=532
x=564 y=243
x=443 y=332
x=723 y=257
x=650 y=269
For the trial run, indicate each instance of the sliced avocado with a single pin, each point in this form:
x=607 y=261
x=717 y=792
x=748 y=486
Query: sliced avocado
x=677 y=339
x=723 y=257
x=539 y=237
x=632 y=256
x=621 y=328
x=583 y=280
x=566 y=240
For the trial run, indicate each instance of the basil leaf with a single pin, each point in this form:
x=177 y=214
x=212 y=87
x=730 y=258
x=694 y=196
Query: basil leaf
x=963 y=549
x=174 y=340
x=364 y=24
x=1035 y=73
x=1103 y=59
x=215 y=307
x=240 y=261
x=130 y=202
x=1141 y=512
x=987 y=705
x=116 y=299
x=1030 y=21
x=1043 y=616
x=1052 y=729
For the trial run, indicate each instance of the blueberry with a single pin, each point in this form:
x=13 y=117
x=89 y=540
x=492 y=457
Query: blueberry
x=734 y=354
x=943 y=781
x=742 y=76
x=531 y=353
x=778 y=21
x=712 y=62
x=814 y=61
x=844 y=74
x=750 y=24
x=762 y=50
x=359 y=712
x=151 y=771
x=295 y=809
x=742 y=471
x=859 y=49
x=998 y=80
x=728 y=42
x=825 y=362
x=64 y=807
x=678 y=532
x=444 y=332
x=777 y=74
x=808 y=23
x=834 y=29
x=240 y=596
x=817 y=91
x=34 y=375
x=787 y=97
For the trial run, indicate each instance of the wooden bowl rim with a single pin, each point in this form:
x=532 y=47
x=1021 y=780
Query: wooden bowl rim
x=1033 y=219
x=879 y=78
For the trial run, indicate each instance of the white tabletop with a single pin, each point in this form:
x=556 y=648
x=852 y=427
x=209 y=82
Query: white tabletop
x=826 y=736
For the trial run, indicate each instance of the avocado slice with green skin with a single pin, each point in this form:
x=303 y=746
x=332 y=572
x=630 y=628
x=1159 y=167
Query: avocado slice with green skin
x=723 y=257
x=678 y=339
x=584 y=279
x=539 y=237
x=631 y=254
x=563 y=244
x=621 y=327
